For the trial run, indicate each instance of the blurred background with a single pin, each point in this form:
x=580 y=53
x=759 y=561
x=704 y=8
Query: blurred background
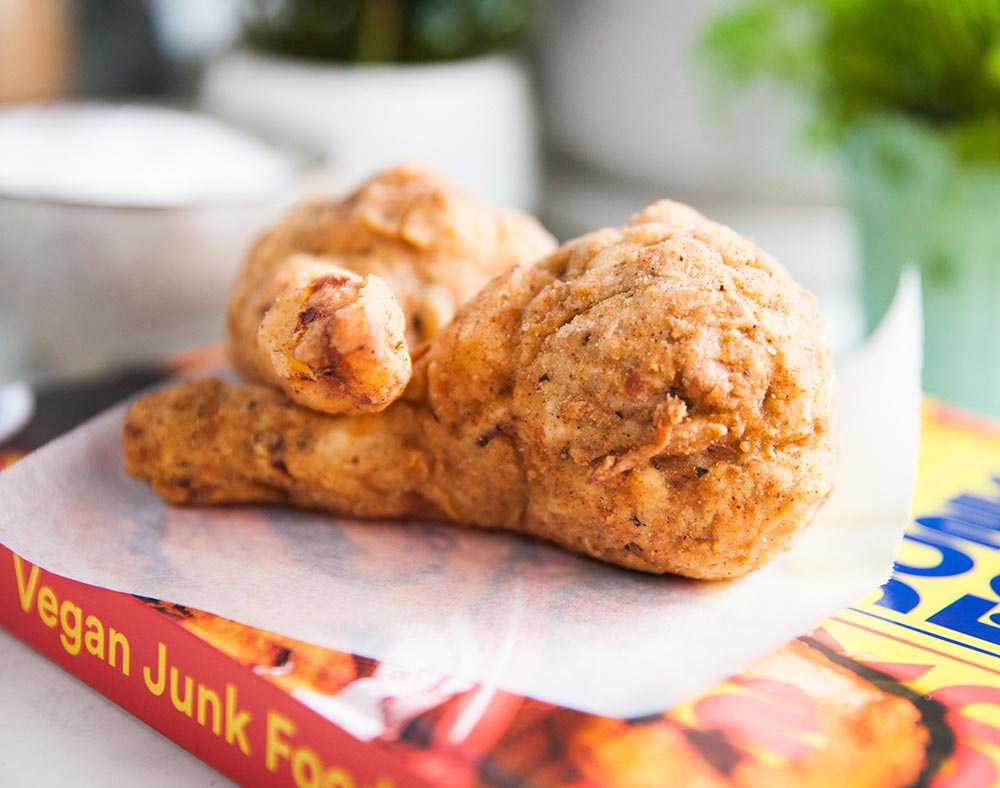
x=143 y=144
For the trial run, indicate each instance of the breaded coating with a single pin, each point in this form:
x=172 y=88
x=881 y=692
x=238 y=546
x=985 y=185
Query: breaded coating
x=657 y=395
x=431 y=245
x=331 y=339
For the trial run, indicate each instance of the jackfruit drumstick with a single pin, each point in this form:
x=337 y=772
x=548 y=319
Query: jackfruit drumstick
x=329 y=338
x=657 y=395
x=429 y=244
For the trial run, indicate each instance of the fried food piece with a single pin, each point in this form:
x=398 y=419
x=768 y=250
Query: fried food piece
x=331 y=339
x=658 y=396
x=407 y=232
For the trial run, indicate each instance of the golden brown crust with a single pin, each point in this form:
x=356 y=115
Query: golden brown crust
x=208 y=442
x=407 y=232
x=657 y=395
x=331 y=339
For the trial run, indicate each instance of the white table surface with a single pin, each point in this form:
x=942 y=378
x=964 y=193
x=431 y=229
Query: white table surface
x=57 y=731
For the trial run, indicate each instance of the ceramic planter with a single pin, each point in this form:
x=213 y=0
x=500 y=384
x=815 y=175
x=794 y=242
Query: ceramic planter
x=473 y=119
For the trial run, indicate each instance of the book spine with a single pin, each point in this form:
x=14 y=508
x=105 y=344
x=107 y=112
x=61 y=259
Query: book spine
x=219 y=710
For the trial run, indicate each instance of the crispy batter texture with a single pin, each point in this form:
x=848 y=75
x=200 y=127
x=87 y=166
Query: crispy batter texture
x=331 y=339
x=658 y=396
x=406 y=233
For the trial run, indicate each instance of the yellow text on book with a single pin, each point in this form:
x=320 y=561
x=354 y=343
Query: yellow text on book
x=76 y=630
x=308 y=771
x=187 y=696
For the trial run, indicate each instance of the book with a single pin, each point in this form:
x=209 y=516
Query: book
x=902 y=688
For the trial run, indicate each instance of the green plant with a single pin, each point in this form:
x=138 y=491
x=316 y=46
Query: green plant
x=936 y=61
x=385 y=30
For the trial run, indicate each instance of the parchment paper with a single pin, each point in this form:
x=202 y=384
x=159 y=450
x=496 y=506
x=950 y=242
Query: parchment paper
x=460 y=606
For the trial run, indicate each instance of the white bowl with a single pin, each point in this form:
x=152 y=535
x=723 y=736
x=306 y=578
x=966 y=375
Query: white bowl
x=96 y=275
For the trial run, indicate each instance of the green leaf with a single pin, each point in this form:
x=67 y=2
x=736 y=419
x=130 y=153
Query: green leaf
x=937 y=61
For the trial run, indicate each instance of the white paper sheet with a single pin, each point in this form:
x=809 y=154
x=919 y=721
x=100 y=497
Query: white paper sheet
x=492 y=608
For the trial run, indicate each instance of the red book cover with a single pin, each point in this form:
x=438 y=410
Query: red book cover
x=200 y=696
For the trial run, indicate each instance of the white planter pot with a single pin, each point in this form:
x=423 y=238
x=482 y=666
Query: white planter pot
x=472 y=119
x=625 y=92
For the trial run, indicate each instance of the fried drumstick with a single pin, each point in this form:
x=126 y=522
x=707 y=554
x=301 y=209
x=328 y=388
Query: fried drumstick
x=331 y=339
x=657 y=396
x=314 y=310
